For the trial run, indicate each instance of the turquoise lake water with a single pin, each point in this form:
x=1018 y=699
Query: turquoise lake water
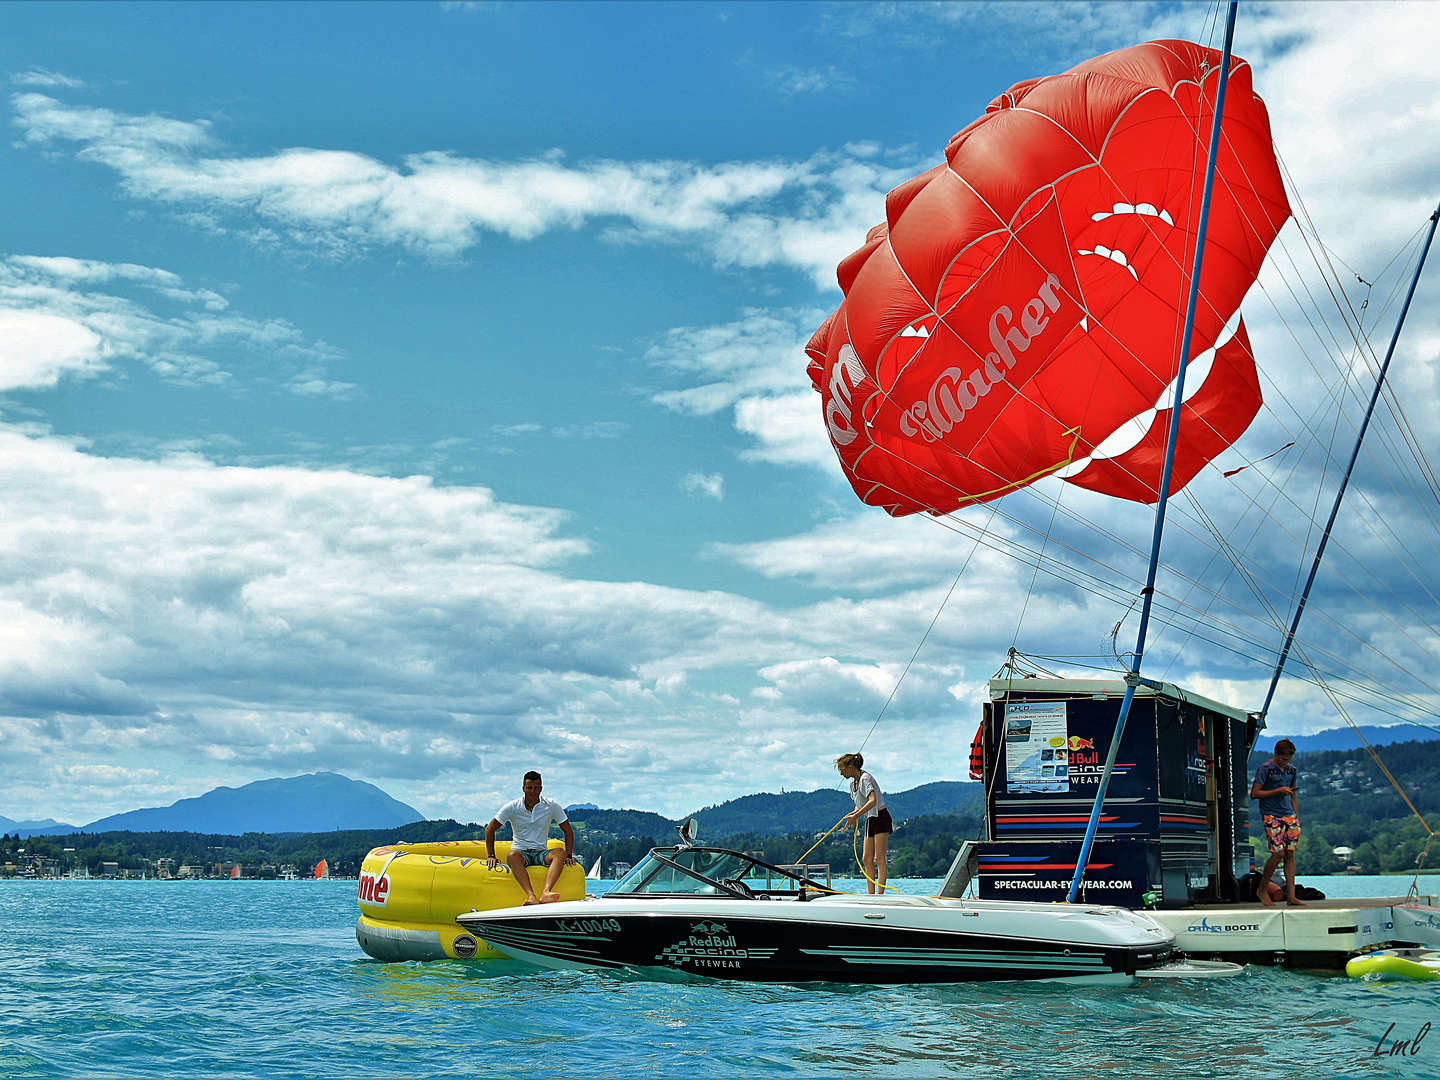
x=264 y=979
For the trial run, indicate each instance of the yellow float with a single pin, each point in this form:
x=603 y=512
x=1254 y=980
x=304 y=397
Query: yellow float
x=409 y=895
x=1422 y=965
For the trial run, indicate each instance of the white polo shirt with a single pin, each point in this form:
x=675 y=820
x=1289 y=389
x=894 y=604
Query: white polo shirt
x=530 y=829
x=860 y=790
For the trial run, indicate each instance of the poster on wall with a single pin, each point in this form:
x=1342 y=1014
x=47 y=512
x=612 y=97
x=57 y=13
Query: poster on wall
x=1036 y=747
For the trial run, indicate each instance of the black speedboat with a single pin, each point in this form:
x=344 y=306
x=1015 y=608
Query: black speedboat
x=722 y=913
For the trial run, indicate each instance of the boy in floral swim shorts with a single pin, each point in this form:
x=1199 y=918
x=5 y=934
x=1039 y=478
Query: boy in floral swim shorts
x=1274 y=786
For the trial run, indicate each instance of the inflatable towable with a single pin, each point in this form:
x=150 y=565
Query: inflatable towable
x=409 y=895
x=1422 y=965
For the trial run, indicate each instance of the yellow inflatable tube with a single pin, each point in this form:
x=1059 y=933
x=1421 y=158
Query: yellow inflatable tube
x=409 y=895
x=1422 y=965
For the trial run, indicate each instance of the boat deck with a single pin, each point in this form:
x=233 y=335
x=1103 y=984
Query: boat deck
x=1321 y=934
x=1358 y=903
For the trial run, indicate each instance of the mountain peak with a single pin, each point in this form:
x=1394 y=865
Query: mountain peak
x=313 y=802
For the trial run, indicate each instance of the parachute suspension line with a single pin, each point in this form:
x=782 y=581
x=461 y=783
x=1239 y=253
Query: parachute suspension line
x=1226 y=550
x=1090 y=582
x=1039 y=557
x=1379 y=386
x=1211 y=23
x=1325 y=266
x=1369 y=748
x=921 y=644
x=1402 y=422
x=1015 y=485
x=1132 y=680
x=1070 y=571
x=1256 y=648
x=1345 y=480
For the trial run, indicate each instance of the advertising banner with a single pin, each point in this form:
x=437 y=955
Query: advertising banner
x=1036 y=747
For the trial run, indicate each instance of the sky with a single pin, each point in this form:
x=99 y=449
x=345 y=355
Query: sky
x=417 y=392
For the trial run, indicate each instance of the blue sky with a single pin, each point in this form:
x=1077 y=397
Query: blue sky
x=417 y=392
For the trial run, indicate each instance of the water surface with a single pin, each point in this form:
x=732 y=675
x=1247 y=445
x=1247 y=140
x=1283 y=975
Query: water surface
x=264 y=979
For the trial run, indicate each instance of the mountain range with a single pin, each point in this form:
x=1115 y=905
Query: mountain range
x=323 y=802
x=316 y=802
x=1345 y=738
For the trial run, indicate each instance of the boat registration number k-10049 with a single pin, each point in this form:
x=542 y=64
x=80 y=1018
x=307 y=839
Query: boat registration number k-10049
x=587 y=926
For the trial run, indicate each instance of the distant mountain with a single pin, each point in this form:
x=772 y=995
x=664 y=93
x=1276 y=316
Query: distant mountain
x=317 y=802
x=1345 y=738
x=582 y=806
x=816 y=811
x=47 y=827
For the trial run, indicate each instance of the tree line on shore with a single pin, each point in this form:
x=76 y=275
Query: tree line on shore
x=1346 y=802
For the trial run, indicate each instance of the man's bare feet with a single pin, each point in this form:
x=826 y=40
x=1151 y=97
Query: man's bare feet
x=1266 y=900
x=1292 y=902
x=529 y=900
x=549 y=897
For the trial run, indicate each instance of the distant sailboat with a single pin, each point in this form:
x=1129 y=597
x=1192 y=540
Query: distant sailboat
x=235 y=872
x=594 y=871
x=322 y=869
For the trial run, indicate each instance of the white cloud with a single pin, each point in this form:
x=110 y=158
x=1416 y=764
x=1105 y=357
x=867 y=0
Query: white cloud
x=41 y=77
x=65 y=316
x=37 y=349
x=710 y=485
x=793 y=81
x=754 y=367
x=439 y=203
x=280 y=620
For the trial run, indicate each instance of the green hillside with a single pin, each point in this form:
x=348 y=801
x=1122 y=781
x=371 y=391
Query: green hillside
x=932 y=818
x=1346 y=801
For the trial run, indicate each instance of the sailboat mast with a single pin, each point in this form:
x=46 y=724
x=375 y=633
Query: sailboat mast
x=1132 y=679
x=1345 y=480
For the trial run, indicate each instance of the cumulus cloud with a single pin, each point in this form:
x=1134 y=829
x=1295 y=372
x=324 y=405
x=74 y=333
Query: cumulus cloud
x=441 y=204
x=40 y=349
x=710 y=485
x=213 y=619
x=277 y=620
x=42 y=77
x=69 y=317
x=754 y=368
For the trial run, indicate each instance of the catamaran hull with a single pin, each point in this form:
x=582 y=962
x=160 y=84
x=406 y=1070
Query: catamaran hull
x=722 y=944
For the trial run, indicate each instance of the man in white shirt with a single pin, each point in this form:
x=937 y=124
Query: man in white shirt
x=530 y=817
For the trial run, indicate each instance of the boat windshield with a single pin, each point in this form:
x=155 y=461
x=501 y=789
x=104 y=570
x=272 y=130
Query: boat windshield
x=699 y=872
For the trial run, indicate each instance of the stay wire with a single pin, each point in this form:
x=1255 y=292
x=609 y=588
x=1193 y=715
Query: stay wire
x=925 y=636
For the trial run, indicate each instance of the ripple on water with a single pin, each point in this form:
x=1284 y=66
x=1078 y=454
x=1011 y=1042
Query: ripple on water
x=265 y=979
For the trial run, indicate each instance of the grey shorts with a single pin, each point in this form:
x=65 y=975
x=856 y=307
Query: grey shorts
x=533 y=856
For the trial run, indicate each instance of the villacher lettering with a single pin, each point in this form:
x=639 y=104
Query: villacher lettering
x=954 y=393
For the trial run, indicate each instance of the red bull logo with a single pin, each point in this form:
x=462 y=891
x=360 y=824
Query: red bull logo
x=1077 y=743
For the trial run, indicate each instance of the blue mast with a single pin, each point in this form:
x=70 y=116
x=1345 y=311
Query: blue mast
x=1345 y=480
x=1132 y=679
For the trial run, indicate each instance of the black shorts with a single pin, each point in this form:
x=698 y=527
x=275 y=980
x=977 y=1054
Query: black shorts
x=880 y=823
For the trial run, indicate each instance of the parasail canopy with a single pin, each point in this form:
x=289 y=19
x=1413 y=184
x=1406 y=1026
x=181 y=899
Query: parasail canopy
x=1019 y=312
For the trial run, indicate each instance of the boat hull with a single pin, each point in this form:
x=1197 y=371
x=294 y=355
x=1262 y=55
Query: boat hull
x=933 y=941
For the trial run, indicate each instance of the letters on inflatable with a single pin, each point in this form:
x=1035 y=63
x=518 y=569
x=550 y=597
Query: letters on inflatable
x=409 y=895
x=1018 y=313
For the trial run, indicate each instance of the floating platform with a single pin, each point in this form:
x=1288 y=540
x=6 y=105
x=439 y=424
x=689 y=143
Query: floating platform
x=1323 y=934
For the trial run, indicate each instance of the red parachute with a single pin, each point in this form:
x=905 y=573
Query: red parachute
x=1019 y=312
